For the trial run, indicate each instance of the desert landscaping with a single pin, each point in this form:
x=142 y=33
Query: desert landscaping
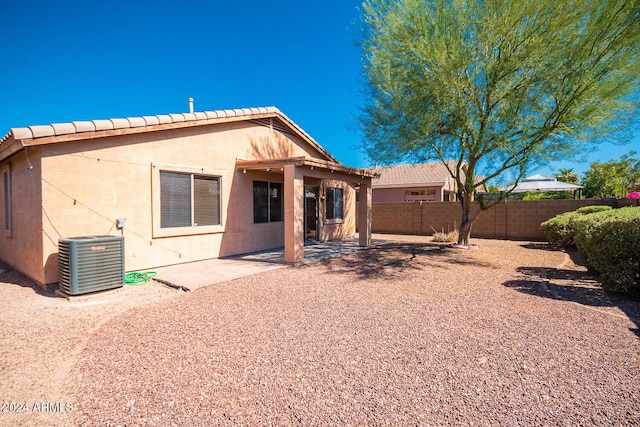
x=408 y=332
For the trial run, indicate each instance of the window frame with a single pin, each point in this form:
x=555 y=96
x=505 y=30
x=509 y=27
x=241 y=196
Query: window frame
x=334 y=218
x=6 y=200
x=269 y=208
x=193 y=172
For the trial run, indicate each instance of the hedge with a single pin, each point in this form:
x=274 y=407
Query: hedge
x=559 y=230
x=609 y=243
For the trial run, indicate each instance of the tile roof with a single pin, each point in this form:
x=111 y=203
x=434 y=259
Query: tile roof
x=431 y=173
x=80 y=127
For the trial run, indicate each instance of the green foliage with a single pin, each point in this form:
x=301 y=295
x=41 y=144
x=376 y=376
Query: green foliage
x=567 y=175
x=560 y=230
x=495 y=85
x=557 y=231
x=613 y=178
x=586 y=210
x=553 y=195
x=608 y=244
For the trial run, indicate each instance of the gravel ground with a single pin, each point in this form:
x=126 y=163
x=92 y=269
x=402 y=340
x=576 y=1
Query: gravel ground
x=410 y=333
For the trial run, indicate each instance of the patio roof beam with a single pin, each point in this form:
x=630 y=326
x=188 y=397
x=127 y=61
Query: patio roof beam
x=277 y=165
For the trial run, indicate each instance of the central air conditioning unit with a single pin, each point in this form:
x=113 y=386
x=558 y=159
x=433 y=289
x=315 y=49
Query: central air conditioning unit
x=90 y=263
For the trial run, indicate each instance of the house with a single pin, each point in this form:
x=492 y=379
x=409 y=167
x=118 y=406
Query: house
x=178 y=187
x=415 y=182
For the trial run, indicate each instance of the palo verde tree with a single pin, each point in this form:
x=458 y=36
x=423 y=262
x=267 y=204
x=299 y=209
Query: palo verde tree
x=497 y=86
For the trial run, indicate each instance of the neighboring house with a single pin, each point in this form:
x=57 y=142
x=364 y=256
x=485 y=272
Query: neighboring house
x=430 y=182
x=186 y=187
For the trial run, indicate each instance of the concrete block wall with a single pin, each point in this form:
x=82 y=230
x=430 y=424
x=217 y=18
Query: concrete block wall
x=515 y=220
x=396 y=217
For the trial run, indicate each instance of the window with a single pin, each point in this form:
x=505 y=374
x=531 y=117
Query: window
x=334 y=203
x=189 y=200
x=267 y=201
x=6 y=190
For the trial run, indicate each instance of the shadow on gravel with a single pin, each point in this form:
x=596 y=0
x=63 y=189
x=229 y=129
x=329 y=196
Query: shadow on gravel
x=572 y=284
x=13 y=277
x=394 y=259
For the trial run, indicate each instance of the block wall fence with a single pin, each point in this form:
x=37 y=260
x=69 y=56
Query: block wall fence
x=511 y=220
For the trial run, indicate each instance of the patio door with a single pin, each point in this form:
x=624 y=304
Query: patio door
x=311 y=212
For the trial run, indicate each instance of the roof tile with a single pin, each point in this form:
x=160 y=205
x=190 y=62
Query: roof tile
x=84 y=126
x=136 y=122
x=412 y=174
x=120 y=123
x=103 y=124
x=164 y=119
x=151 y=120
x=63 y=128
x=20 y=133
x=40 y=131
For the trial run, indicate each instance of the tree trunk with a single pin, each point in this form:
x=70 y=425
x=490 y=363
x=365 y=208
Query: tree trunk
x=464 y=234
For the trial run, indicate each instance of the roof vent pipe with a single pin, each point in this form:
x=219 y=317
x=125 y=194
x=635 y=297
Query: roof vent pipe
x=190 y=105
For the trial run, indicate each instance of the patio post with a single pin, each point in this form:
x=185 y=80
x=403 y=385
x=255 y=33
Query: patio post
x=293 y=214
x=364 y=228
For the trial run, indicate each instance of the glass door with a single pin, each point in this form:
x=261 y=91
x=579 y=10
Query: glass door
x=311 y=212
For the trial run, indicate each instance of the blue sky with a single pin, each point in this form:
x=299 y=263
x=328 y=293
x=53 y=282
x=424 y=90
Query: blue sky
x=84 y=60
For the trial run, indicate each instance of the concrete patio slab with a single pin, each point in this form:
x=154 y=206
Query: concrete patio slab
x=195 y=275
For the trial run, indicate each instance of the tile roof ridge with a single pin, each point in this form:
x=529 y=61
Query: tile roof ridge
x=55 y=129
x=78 y=127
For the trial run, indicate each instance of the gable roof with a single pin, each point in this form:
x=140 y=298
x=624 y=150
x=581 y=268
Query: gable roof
x=17 y=138
x=413 y=175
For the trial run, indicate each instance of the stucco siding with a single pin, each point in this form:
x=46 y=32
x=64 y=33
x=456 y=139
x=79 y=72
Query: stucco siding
x=89 y=184
x=342 y=228
x=22 y=247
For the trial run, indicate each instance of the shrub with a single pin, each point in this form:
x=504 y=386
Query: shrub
x=556 y=230
x=442 y=237
x=556 y=195
x=559 y=230
x=585 y=210
x=608 y=244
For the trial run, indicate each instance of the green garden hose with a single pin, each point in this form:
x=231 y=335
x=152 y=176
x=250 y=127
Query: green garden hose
x=136 y=278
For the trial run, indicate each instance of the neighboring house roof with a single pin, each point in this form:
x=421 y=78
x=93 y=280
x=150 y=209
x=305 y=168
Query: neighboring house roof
x=59 y=132
x=413 y=175
x=543 y=183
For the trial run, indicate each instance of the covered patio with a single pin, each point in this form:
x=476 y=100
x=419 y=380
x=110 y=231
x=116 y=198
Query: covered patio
x=300 y=172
